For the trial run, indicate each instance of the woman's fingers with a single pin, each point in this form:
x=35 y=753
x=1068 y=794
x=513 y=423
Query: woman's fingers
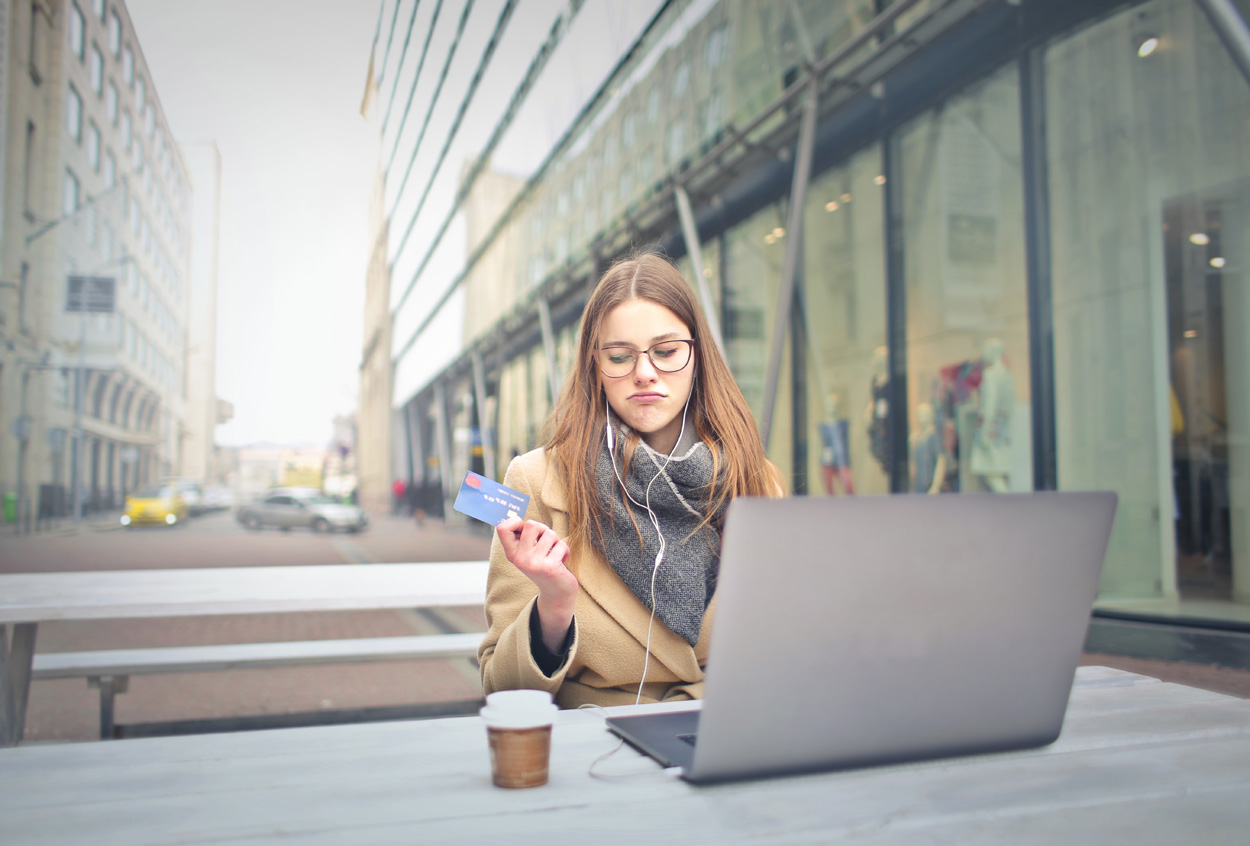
x=508 y=531
x=537 y=551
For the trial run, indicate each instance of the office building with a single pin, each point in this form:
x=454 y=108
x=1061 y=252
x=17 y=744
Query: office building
x=950 y=247
x=96 y=266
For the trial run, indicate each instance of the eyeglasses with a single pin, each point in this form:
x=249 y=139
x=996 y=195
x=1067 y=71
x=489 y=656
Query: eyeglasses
x=666 y=356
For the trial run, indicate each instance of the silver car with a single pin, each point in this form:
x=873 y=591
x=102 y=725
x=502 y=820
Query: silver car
x=287 y=508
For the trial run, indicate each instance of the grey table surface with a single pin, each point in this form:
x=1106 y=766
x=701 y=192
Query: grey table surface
x=1138 y=761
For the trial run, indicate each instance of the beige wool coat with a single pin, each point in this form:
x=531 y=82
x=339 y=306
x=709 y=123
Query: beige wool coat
x=605 y=660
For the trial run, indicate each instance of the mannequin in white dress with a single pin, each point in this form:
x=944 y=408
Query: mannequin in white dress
x=991 y=440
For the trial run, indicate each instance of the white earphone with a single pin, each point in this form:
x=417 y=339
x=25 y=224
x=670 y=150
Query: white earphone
x=655 y=521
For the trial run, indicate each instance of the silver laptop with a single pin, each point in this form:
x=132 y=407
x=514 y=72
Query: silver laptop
x=855 y=631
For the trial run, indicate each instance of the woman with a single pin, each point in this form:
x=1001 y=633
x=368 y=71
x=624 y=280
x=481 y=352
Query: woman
x=651 y=408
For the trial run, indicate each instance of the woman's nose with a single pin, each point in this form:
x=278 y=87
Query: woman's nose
x=644 y=370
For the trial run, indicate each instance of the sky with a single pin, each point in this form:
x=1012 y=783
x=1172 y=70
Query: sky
x=278 y=86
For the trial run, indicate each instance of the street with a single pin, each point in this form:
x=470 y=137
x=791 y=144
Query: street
x=67 y=710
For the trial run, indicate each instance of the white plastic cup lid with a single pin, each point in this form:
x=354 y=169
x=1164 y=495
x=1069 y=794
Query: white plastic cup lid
x=519 y=709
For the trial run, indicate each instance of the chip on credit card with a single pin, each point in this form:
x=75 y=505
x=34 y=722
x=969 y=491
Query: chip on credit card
x=486 y=500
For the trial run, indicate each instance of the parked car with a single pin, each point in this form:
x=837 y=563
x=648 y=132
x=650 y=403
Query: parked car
x=218 y=499
x=192 y=493
x=155 y=506
x=287 y=508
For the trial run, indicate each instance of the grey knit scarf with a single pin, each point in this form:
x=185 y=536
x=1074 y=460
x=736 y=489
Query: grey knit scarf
x=679 y=498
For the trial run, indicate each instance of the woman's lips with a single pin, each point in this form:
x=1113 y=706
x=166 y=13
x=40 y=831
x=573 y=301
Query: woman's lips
x=647 y=396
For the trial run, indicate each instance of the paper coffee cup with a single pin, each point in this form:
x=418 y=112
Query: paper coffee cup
x=518 y=727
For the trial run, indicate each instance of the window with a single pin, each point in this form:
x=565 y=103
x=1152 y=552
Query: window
x=134 y=217
x=97 y=6
x=38 y=42
x=676 y=142
x=141 y=94
x=115 y=34
x=69 y=193
x=128 y=66
x=627 y=131
x=653 y=105
x=110 y=102
x=73 y=115
x=969 y=397
x=95 y=69
x=681 y=80
x=93 y=146
x=126 y=131
x=76 y=30
x=136 y=156
x=714 y=50
x=149 y=120
x=110 y=170
x=1149 y=300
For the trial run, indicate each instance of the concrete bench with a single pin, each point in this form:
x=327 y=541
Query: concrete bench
x=110 y=669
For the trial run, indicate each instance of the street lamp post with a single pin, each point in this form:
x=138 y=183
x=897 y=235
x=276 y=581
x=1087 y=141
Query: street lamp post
x=22 y=428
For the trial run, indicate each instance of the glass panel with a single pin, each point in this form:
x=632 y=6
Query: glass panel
x=755 y=251
x=844 y=327
x=967 y=329
x=1149 y=162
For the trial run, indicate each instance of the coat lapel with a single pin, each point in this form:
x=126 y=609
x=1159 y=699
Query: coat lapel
x=616 y=600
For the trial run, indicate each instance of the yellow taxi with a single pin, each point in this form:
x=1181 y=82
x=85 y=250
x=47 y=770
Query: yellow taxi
x=155 y=506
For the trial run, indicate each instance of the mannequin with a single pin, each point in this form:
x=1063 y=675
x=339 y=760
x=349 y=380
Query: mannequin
x=877 y=414
x=928 y=459
x=835 y=456
x=991 y=439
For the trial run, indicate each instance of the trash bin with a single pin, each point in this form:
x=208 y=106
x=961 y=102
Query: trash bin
x=10 y=508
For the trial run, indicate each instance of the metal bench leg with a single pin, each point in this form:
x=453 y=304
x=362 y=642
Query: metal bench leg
x=15 y=681
x=109 y=687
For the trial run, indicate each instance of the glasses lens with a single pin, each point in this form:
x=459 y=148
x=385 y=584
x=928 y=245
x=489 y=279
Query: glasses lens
x=617 y=361
x=670 y=356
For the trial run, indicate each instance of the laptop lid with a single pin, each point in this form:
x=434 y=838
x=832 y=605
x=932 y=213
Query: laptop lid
x=854 y=631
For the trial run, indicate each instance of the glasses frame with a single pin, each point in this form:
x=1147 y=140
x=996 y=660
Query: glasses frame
x=638 y=354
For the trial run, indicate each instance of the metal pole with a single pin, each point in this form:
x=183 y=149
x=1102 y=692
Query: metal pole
x=77 y=474
x=691 y=233
x=23 y=521
x=549 y=346
x=442 y=431
x=1231 y=28
x=794 y=220
x=488 y=431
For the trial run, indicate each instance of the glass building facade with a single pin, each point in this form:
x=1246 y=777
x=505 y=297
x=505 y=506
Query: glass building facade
x=1021 y=264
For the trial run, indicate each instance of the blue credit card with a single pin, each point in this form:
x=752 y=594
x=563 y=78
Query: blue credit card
x=486 y=500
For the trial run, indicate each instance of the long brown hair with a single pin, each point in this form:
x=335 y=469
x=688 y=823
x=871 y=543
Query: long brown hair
x=721 y=416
